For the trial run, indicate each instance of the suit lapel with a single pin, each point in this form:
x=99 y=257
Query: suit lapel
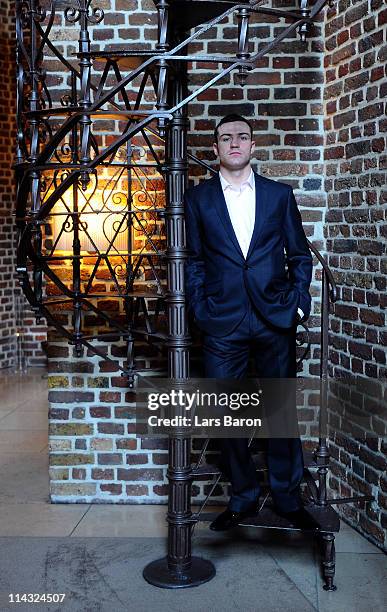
x=261 y=203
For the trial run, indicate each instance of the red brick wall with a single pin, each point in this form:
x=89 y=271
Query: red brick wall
x=32 y=335
x=355 y=229
x=90 y=406
x=7 y=109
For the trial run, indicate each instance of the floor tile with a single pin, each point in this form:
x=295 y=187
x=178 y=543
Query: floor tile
x=294 y=553
x=26 y=398
x=9 y=404
x=361 y=581
x=40 y=519
x=6 y=409
x=24 y=441
x=350 y=541
x=301 y=565
x=23 y=477
x=123 y=521
x=22 y=419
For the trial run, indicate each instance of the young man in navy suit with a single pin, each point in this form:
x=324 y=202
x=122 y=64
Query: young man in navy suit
x=242 y=231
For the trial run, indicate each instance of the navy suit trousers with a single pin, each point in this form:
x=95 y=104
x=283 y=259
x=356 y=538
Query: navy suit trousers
x=274 y=352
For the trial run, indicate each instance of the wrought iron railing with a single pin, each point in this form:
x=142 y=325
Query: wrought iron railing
x=59 y=156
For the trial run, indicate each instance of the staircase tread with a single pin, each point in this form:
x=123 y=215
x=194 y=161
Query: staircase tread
x=325 y=516
x=259 y=460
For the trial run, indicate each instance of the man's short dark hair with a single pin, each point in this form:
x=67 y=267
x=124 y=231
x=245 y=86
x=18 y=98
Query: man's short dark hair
x=230 y=119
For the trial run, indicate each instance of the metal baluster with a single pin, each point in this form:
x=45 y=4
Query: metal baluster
x=85 y=15
x=322 y=454
x=129 y=301
x=243 y=16
x=85 y=100
x=304 y=29
x=76 y=263
x=329 y=561
x=162 y=46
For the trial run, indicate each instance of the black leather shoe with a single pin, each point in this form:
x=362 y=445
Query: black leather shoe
x=300 y=519
x=229 y=519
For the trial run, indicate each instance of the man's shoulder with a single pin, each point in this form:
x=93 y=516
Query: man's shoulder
x=277 y=186
x=205 y=186
x=202 y=187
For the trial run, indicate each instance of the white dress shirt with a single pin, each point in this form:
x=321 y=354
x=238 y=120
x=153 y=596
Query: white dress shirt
x=240 y=203
x=241 y=208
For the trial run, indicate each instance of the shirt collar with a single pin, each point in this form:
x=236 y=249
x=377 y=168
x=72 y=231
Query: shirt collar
x=248 y=182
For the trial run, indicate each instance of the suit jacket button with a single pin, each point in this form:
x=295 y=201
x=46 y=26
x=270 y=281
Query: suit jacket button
x=246 y=267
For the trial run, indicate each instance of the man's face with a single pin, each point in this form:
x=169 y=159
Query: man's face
x=234 y=147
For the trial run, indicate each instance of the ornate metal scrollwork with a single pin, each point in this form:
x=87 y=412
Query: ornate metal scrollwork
x=84 y=10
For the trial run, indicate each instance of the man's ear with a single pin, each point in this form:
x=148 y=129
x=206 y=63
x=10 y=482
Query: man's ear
x=215 y=148
x=252 y=147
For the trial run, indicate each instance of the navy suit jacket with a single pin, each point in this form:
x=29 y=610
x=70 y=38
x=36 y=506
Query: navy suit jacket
x=219 y=280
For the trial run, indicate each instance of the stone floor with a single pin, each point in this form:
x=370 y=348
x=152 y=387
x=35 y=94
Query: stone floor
x=95 y=554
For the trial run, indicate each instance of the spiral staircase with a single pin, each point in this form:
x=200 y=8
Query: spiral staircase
x=72 y=166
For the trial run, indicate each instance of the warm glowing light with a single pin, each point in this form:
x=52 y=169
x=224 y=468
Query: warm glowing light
x=99 y=223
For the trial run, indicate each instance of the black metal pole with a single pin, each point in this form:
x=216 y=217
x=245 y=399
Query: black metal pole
x=322 y=453
x=178 y=569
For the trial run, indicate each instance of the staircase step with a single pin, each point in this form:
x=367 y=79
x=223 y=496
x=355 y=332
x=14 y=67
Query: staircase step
x=326 y=517
x=207 y=469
